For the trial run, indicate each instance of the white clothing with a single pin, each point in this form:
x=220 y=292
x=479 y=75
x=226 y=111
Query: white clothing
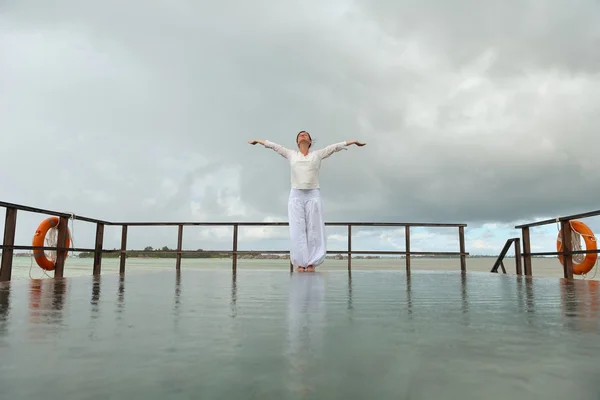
x=305 y=169
x=307 y=228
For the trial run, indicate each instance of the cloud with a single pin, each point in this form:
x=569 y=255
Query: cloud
x=142 y=111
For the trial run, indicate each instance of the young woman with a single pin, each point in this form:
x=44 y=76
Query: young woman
x=305 y=208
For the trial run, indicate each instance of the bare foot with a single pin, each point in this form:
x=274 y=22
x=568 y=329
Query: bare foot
x=300 y=269
x=310 y=268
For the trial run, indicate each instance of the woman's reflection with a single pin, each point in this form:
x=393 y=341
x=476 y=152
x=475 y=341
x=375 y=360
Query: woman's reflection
x=306 y=322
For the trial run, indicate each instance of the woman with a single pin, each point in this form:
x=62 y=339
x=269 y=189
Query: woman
x=305 y=208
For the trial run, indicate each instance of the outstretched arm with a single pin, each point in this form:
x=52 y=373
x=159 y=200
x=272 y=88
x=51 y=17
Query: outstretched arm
x=356 y=142
x=332 y=148
x=285 y=152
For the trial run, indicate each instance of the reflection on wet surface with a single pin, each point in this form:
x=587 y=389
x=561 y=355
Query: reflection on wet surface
x=255 y=334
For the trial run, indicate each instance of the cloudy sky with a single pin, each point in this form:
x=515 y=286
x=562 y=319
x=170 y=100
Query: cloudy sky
x=141 y=110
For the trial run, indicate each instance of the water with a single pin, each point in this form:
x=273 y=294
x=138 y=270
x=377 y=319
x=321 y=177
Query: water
x=74 y=267
x=209 y=334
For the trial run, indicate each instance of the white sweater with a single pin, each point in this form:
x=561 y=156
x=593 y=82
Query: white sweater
x=305 y=169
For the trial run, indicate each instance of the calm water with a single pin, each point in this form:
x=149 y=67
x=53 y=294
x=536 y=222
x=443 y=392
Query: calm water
x=24 y=267
x=274 y=335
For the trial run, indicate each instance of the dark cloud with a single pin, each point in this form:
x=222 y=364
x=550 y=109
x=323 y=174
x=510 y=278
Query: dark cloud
x=525 y=35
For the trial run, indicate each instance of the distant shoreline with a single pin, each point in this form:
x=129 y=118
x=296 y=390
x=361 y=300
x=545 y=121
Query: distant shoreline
x=157 y=254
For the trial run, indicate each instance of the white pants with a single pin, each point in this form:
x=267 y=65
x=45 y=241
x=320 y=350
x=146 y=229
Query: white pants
x=307 y=228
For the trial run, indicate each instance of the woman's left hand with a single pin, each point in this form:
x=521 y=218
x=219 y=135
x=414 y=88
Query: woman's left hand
x=356 y=142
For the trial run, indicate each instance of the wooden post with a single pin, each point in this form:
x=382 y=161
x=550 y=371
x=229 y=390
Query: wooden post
x=409 y=293
x=349 y=247
x=565 y=227
x=59 y=266
x=98 y=248
x=123 y=249
x=4 y=304
x=407 y=240
x=526 y=250
x=179 y=245
x=235 y=247
x=463 y=257
x=518 y=256
x=10 y=226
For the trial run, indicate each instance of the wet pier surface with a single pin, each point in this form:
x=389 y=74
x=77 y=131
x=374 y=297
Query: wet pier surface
x=272 y=334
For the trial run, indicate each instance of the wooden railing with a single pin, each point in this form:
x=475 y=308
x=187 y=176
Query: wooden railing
x=8 y=246
x=567 y=252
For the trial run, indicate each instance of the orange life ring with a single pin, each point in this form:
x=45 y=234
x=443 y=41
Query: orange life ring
x=38 y=240
x=590 y=244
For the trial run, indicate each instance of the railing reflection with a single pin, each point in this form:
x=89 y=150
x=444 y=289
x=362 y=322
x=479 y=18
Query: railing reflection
x=580 y=300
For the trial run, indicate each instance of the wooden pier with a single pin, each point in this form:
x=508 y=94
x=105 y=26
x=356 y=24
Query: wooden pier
x=526 y=255
x=9 y=246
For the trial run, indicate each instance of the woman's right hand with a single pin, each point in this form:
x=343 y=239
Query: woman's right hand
x=252 y=142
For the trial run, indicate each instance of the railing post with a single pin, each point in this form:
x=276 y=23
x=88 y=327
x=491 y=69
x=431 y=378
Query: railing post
x=235 y=247
x=518 y=256
x=123 y=256
x=10 y=226
x=59 y=266
x=349 y=247
x=98 y=248
x=526 y=250
x=179 y=245
x=407 y=240
x=565 y=227
x=463 y=258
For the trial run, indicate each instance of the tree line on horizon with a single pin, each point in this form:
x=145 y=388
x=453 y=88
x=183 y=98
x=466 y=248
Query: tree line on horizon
x=150 y=252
